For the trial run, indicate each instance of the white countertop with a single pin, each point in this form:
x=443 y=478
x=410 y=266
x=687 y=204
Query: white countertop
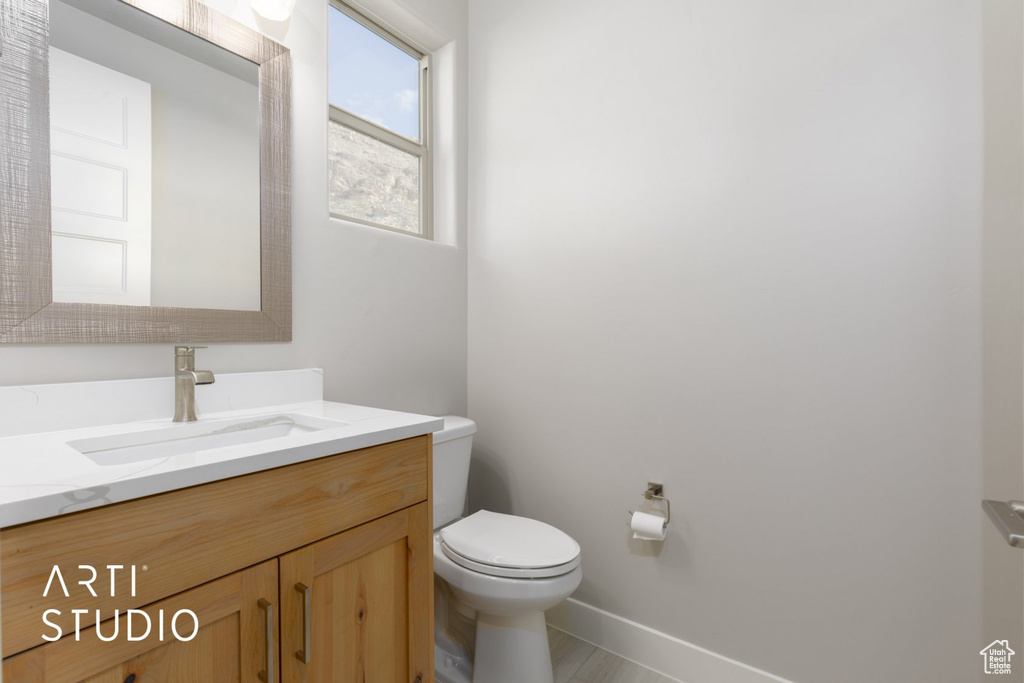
x=42 y=476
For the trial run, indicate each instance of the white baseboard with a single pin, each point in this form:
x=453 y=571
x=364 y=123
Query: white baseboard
x=685 y=662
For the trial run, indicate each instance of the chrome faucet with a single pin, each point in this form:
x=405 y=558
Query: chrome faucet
x=186 y=377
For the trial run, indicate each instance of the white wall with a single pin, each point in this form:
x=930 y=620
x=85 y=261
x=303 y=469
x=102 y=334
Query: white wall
x=383 y=314
x=1003 y=310
x=736 y=247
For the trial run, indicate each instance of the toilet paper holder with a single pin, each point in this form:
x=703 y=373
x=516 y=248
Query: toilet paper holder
x=656 y=491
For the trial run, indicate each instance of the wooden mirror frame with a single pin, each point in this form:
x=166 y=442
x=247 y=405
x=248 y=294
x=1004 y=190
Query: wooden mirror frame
x=28 y=314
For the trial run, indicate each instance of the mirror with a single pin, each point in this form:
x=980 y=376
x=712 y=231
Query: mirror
x=154 y=163
x=159 y=210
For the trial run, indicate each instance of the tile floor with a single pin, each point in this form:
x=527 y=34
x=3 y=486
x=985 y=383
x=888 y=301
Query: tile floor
x=575 y=661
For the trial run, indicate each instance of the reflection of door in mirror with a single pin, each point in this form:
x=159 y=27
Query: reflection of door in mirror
x=101 y=188
x=181 y=229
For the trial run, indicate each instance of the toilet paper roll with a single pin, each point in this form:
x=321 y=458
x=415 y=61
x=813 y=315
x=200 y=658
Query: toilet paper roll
x=648 y=527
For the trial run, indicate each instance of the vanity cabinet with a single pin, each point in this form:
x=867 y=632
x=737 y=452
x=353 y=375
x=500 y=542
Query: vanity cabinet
x=316 y=572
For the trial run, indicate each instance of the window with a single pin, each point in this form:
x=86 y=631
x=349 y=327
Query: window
x=379 y=161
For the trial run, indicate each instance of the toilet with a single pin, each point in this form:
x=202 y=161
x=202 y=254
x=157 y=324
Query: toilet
x=495 y=575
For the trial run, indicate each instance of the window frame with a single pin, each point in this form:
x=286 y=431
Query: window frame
x=421 y=148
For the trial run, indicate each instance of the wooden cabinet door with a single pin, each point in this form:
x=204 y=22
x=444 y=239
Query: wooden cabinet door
x=230 y=646
x=371 y=601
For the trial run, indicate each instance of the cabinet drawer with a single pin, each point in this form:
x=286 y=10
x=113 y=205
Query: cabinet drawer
x=183 y=538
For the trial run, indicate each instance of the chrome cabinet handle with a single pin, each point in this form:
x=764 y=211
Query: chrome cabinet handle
x=305 y=654
x=267 y=675
x=1007 y=518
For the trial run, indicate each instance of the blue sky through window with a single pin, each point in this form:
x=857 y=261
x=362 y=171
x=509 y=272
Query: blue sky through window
x=372 y=78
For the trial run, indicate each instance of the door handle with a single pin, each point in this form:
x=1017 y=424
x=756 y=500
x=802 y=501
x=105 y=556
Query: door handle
x=1007 y=518
x=305 y=654
x=267 y=675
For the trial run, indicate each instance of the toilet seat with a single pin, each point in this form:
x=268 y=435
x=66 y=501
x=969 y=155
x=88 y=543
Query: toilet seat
x=509 y=546
x=509 y=572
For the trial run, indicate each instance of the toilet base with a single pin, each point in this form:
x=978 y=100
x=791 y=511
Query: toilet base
x=512 y=649
x=451 y=668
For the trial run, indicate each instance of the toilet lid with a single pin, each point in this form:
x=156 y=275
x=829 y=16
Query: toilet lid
x=506 y=545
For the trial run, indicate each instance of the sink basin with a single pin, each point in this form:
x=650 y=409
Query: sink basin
x=193 y=437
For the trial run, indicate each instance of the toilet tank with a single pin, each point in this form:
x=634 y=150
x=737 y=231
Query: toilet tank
x=452 y=448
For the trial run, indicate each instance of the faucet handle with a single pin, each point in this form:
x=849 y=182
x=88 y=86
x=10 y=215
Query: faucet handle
x=186 y=350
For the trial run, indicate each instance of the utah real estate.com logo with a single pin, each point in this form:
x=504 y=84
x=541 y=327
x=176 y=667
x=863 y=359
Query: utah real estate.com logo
x=997 y=657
